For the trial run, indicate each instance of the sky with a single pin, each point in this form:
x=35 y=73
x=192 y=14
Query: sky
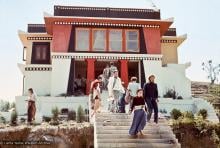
x=199 y=19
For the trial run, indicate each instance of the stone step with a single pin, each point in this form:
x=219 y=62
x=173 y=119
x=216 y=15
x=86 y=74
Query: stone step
x=137 y=140
x=128 y=127
x=126 y=131
x=122 y=120
x=121 y=124
x=137 y=145
x=146 y=136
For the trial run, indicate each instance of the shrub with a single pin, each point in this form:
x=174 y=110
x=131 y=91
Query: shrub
x=2 y=120
x=175 y=114
x=179 y=98
x=80 y=114
x=14 y=118
x=171 y=93
x=189 y=115
x=203 y=113
x=12 y=105
x=72 y=115
x=55 y=112
x=46 y=119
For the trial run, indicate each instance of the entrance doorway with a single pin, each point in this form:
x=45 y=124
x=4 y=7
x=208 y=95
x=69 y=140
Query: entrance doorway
x=133 y=70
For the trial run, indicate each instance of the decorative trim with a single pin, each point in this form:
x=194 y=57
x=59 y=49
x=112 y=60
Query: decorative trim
x=108 y=56
x=168 y=41
x=105 y=24
x=38 y=69
x=103 y=9
x=39 y=38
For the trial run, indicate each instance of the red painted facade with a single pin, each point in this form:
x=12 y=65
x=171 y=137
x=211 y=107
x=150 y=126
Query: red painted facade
x=124 y=71
x=152 y=40
x=61 y=37
x=90 y=73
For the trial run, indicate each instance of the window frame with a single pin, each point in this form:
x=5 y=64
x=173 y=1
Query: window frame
x=48 y=55
x=138 y=40
x=109 y=41
x=92 y=39
x=82 y=28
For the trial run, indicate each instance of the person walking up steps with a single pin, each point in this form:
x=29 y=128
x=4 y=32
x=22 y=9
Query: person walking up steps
x=151 y=98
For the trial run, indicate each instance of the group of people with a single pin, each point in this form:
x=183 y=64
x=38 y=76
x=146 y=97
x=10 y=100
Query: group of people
x=142 y=101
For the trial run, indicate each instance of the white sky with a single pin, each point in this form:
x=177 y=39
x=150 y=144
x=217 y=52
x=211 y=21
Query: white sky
x=198 y=18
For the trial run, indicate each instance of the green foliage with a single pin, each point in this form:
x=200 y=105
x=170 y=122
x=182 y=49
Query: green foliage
x=5 y=106
x=175 y=114
x=72 y=115
x=80 y=114
x=46 y=119
x=203 y=113
x=12 y=105
x=2 y=120
x=55 y=113
x=179 y=98
x=14 y=117
x=188 y=114
x=171 y=93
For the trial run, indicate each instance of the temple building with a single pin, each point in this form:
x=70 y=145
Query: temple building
x=77 y=42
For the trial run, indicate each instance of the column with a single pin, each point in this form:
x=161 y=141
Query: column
x=90 y=73
x=124 y=71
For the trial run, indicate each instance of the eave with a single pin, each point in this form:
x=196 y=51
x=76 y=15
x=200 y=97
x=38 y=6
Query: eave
x=50 y=20
x=25 y=37
x=180 y=39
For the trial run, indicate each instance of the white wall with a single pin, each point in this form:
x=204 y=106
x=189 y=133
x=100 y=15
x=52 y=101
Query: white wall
x=170 y=77
x=45 y=104
x=60 y=76
x=40 y=81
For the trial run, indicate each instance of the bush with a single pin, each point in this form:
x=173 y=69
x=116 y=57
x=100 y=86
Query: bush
x=72 y=115
x=46 y=119
x=175 y=114
x=179 y=98
x=80 y=114
x=55 y=112
x=203 y=113
x=2 y=120
x=188 y=114
x=14 y=117
x=171 y=93
x=12 y=105
x=5 y=106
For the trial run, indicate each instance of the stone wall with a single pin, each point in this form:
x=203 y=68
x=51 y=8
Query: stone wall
x=65 y=135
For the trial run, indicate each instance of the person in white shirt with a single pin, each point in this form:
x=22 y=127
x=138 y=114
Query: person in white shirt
x=112 y=68
x=133 y=87
x=115 y=90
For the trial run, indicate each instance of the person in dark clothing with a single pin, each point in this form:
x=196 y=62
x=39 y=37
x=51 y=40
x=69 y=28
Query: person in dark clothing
x=139 y=118
x=151 y=98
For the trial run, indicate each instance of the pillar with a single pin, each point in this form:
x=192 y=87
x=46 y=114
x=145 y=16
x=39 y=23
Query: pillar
x=124 y=71
x=90 y=73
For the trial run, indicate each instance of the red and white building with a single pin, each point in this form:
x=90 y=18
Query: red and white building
x=82 y=40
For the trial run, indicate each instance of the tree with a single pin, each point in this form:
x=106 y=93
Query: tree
x=212 y=70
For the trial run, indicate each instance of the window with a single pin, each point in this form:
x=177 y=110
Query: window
x=82 y=39
x=132 y=41
x=99 y=40
x=41 y=53
x=115 y=40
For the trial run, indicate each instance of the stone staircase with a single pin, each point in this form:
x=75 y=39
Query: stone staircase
x=111 y=130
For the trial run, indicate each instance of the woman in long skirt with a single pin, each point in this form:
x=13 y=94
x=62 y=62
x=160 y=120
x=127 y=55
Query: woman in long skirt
x=96 y=96
x=31 y=106
x=139 y=119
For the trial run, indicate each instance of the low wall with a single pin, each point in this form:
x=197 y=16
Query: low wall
x=45 y=104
